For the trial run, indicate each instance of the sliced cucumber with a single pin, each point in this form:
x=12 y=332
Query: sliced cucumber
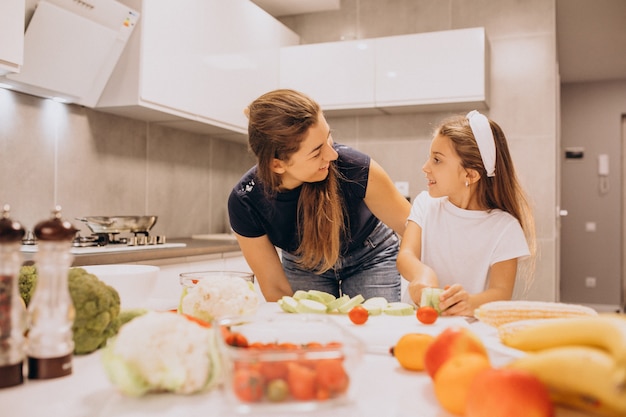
x=311 y=306
x=375 y=305
x=430 y=298
x=288 y=304
x=398 y=308
x=337 y=302
x=321 y=295
x=351 y=303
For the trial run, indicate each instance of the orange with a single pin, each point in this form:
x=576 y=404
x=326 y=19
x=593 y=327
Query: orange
x=453 y=379
x=410 y=350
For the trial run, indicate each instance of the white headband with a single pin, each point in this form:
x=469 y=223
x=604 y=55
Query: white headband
x=484 y=138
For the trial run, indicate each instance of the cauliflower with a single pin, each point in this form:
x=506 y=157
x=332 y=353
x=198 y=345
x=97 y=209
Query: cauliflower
x=97 y=307
x=162 y=351
x=217 y=297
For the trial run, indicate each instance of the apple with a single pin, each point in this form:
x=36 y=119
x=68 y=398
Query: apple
x=508 y=392
x=451 y=341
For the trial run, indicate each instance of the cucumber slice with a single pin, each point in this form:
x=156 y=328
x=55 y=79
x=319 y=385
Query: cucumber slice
x=399 y=309
x=375 y=305
x=300 y=295
x=337 y=302
x=430 y=298
x=288 y=304
x=351 y=303
x=322 y=296
x=311 y=306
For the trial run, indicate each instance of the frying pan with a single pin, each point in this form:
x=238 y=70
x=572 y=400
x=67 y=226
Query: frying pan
x=119 y=224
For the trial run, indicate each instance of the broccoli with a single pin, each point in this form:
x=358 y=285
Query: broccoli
x=27 y=281
x=97 y=307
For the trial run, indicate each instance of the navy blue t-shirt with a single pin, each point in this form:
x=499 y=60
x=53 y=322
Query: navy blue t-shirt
x=253 y=214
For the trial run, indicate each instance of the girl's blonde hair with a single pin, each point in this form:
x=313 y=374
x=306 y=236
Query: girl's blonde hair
x=278 y=122
x=502 y=191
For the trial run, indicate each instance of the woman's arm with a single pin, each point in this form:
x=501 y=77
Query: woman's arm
x=455 y=301
x=384 y=200
x=264 y=261
x=410 y=265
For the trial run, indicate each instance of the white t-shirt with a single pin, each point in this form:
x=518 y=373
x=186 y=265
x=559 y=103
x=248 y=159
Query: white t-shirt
x=461 y=245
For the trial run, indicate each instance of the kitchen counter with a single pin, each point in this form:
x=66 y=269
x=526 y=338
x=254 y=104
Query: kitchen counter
x=192 y=247
x=383 y=387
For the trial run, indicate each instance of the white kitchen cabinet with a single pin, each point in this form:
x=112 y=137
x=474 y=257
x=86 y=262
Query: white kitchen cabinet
x=447 y=69
x=197 y=63
x=11 y=35
x=338 y=75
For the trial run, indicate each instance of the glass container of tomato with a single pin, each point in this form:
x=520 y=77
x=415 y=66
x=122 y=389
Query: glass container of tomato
x=288 y=362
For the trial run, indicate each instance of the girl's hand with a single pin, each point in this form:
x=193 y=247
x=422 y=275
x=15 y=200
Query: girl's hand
x=415 y=290
x=455 y=301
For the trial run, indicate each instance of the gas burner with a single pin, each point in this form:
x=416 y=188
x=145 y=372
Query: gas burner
x=104 y=239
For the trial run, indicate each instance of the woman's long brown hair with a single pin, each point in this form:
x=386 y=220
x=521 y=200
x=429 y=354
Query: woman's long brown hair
x=278 y=122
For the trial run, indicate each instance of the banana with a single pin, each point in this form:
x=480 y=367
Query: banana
x=605 y=331
x=578 y=377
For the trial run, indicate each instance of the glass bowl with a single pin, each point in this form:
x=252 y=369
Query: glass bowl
x=286 y=362
x=210 y=295
x=189 y=279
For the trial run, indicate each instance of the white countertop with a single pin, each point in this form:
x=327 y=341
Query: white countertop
x=384 y=389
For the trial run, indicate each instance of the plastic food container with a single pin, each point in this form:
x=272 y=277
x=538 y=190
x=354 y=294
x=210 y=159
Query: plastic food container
x=288 y=362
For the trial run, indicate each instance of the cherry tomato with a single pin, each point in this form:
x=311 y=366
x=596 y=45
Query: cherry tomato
x=301 y=381
x=427 y=315
x=248 y=385
x=331 y=376
x=236 y=339
x=358 y=315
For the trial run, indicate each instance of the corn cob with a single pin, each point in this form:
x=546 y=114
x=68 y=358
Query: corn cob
x=497 y=313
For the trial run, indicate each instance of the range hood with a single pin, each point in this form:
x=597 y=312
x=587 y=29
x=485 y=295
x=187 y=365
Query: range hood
x=71 y=47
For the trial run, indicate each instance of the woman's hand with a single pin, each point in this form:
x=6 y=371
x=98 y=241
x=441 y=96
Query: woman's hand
x=455 y=301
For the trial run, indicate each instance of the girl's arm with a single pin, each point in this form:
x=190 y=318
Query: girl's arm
x=264 y=261
x=384 y=200
x=455 y=301
x=410 y=265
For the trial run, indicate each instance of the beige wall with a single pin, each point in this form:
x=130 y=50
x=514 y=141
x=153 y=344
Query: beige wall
x=97 y=164
x=93 y=163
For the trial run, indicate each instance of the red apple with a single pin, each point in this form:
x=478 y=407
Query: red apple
x=452 y=341
x=505 y=392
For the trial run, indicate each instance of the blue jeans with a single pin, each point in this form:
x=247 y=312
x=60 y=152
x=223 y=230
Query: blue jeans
x=370 y=271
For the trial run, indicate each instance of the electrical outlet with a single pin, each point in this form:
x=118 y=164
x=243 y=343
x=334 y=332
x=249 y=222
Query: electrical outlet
x=403 y=187
x=590 y=282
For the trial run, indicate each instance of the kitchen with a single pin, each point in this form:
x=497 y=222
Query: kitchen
x=97 y=163
x=132 y=166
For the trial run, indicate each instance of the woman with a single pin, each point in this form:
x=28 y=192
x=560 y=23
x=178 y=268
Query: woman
x=468 y=231
x=332 y=211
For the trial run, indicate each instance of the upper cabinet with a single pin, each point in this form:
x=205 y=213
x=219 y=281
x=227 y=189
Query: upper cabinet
x=340 y=76
x=12 y=35
x=446 y=70
x=196 y=64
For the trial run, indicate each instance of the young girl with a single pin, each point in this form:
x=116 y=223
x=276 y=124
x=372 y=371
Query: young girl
x=332 y=210
x=467 y=233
